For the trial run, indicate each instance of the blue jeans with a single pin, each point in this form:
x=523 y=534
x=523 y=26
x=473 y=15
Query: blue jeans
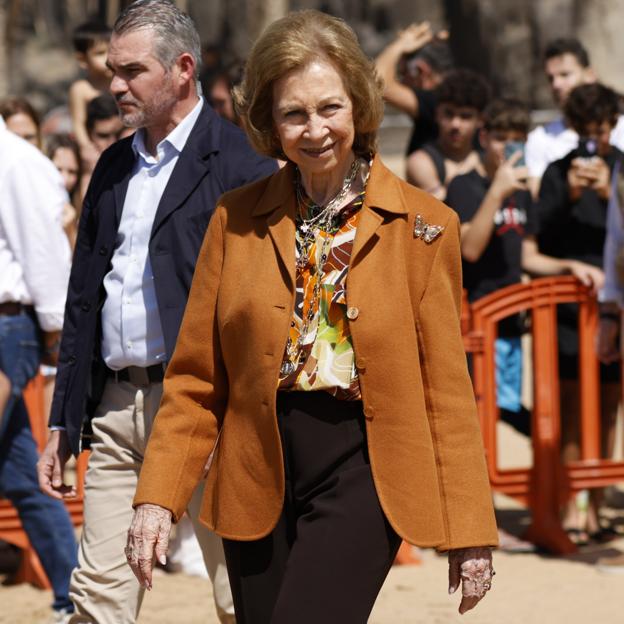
x=44 y=519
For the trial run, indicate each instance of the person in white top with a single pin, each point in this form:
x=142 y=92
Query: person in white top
x=34 y=272
x=567 y=65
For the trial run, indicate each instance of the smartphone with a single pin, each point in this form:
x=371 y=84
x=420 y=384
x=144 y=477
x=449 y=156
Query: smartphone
x=511 y=147
x=587 y=148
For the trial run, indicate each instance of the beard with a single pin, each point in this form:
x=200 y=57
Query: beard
x=149 y=111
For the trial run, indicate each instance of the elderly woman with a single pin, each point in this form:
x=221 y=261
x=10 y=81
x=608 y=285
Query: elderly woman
x=320 y=363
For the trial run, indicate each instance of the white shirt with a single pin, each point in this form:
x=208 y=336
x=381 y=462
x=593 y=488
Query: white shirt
x=553 y=141
x=131 y=330
x=35 y=255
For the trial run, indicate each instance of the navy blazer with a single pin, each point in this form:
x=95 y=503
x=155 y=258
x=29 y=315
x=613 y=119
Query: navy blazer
x=215 y=159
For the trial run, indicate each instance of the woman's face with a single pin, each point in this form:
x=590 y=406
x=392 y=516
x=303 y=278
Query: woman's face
x=65 y=161
x=23 y=125
x=313 y=117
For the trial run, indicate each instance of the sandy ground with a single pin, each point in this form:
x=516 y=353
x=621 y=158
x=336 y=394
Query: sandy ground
x=528 y=588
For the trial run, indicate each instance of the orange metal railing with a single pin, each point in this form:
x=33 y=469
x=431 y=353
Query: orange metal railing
x=548 y=483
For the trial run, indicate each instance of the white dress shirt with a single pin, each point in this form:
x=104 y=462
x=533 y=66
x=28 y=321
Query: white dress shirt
x=553 y=141
x=131 y=330
x=35 y=255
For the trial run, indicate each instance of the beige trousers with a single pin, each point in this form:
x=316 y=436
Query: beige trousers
x=103 y=588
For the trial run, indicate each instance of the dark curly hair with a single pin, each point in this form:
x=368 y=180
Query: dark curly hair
x=591 y=103
x=464 y=87
x=507 y=115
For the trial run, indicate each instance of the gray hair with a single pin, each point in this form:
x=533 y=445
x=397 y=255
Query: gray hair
x=174 y=31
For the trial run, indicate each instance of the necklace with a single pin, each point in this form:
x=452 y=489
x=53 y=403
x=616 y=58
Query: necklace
x=326 y=220
x=318 y=217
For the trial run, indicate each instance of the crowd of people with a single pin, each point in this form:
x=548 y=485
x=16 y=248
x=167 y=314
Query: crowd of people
x=531 y=202
x=129 y=176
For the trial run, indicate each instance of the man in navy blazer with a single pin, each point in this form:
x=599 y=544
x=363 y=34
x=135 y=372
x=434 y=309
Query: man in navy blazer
x=143 y=221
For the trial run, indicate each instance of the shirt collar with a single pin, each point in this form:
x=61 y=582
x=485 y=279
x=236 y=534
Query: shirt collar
x=176 y=139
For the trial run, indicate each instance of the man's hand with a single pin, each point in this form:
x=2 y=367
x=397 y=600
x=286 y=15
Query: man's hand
x=591 y=276
x=509 y=178
x=600 y=174
x=51 y=346
x=473 y=567
x=590 y=173
x=51 y=465
x=148 y=538
x=417 y=36
x=607 y=341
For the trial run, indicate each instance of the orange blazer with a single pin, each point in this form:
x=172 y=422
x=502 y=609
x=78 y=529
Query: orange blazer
x=424 y=441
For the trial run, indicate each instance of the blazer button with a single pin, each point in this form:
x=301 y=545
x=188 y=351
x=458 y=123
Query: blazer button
x=360 y=364
x=72 y=359
x=103 y=250
x=86 y=306
x=352 y=313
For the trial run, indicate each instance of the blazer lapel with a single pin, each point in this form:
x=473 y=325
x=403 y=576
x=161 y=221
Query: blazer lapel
x=120 y=187
x=277 y=206
x=383 y=195
x=281 y=226
x=368 y=224
x=191 y=167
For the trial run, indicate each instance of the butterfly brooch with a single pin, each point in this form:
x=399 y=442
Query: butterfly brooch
x=425 y=231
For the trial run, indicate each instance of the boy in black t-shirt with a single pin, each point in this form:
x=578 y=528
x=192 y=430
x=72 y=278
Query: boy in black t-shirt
x=498 y=236
x=496 y=213
x=572 y=213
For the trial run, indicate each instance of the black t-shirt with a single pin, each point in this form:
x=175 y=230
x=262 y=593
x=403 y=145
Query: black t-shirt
x=574 y=231
x=571 y=230
x=500 y=264
x=425 y=126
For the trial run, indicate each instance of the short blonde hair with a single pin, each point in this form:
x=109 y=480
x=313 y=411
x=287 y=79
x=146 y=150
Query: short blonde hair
x=291 y=43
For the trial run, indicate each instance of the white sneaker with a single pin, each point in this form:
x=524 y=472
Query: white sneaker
x=59 y=617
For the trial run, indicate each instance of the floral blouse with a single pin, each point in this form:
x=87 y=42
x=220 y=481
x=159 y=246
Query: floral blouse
x=327 y=359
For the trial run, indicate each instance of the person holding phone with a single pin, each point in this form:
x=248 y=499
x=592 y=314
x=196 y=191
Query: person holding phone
x=498 y=228
x=496 y=213
x=572 y=211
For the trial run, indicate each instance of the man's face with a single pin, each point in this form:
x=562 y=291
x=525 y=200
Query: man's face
x=600 y=132
x=94 y=60
x=146 y=93
x=221 y=100
x=105 y=132
x=457 y=125
x=564 y=73
x=493 y=144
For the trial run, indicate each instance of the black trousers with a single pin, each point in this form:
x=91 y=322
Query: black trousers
x=332 y=548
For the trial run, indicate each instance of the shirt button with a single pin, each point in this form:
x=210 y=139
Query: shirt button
x=129 y=344
x=352 y=313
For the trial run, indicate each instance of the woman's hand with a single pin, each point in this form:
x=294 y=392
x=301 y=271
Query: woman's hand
x=148 y=537
x=473 y=567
